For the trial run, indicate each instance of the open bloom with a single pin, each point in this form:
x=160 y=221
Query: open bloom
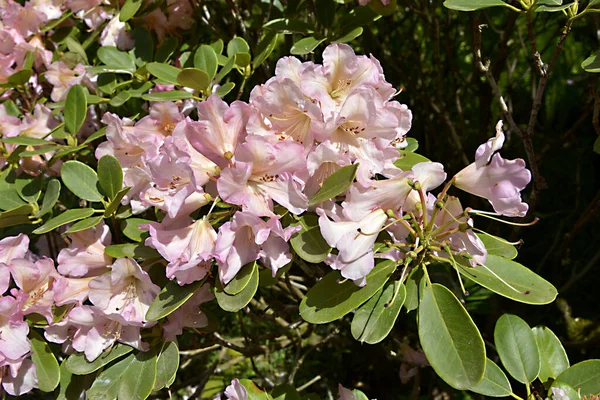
x=12 y=247
x=495 y=178
x=236 y=391
x=19 y=378
x=85 y=256
x=35 y=282
x=14 y=344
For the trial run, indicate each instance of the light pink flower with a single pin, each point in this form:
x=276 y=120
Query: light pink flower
x=115 y=34
x=188 y=247
x=24 y=19
x=39 y=124
x=321 y=162
x=12 y=247
x=35 y=282
x=14 y=345
x=247 y=238
x=188 y=315
x=353 y=239
x=161 y=121
x=50 y=8
x=86 y=329
x=63 y=78
x=496 y=179
x=346 y=394
x=19 y=378
x=35 y=45
x=236 y=391
x=127 y=292
x=85 y=255
x=265 y=170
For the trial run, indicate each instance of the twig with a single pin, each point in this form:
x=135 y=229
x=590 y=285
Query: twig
x=307 y=384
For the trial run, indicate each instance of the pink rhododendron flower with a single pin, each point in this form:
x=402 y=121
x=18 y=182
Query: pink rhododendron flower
x=188 y=247
x=161 y=120
x=236 y=391
x=50 y=8
x=19 y=378
x=14 y=344
x=188 y=315
x=39 y=124
x=12 y=247
x=266 y=169
x=24 y=19
x=63 y=78
x=202 y=168
x=35 y=282
x=87 y=329
x=115 y=34
x=126 y=292
x=247 y=238
x=345 y=394
x=85 y=255
x=353 y=239
x=495 y=178
x=321 y=162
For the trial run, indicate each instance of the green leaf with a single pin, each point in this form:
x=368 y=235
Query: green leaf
x=167 y=96
x=75 y=109
x=205 y=59
x=25 y=141
x=116 y=202
x=29 y=188
x=170 y=299
x=494 y=383
x=224 y=89
x=21 y=77
x=254 y=392
x=308 y=243
x=218 y=46
x=329 y=299
x=96 y=135
x=285 y=391
x=81 y=180
x=411 y=145
x=106 y=385
x=472 y=5
x=242 y=59
x=130 y=228
x=241 y=279
x=85 y=224
x=9 y=197
x=64 y=218
x=288 y=26
x=6 y=221
x=167 y=365
x=23 y=210
x=131 y=250
x=74 y=46
x=77 y=363
x=265 y=48
x=407 y=160
x=498 y=246
x=110 y=176
x=72 y=386
x=597 y=145
x=144 y=46
x=553 y=358
x=545 y=8
x=374 y=320
x=50 y=197
x=306 y=45
x=237 y=45
x=517 y=348
x=113 y=58
x=39 y=150
x=139 y=378
x=583 y=376
x=335 y=184
x=511 y=279
x=451 y=341
x=225 y=70
x=129 y=9
x=167 y=49
x=163 y=72
x=240 y=300
x=193 y=78
x=353 y=34
x=592 y=63
x=47 y=369
x=120 y=99
x=414 y=281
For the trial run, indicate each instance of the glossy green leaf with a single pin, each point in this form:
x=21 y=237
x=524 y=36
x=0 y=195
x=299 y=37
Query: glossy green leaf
x=242 y=59
x=472 y=5
x=130 y=228
x=139 y=378
x=498 y=246
x=120 y=99
x=193 y=78
x=6 y=221
x=241 y=279
x=240 y=300
x=374 y=320
x=353 y=34
x=224 y=89
x=517 y=348
x=39 y=151
x=170 y=299
x=20 y=78
x=545 y=8
x=412 y=145
x=331 y=299
x=451 y=341
x=110 y=175
x=77 y=364
x=494 y=383
x=131 y=250
x=163 y=72
x=167 y=96
x=9 y=197
x=305 y=45
x=335 y=184
x=265 y=48
x=81 y=180
x=116 y=202
x=218 y=46
x=553 y=358
x=407 y=160
x=414 y=281
x=23 y=210
x=308 y=243
x=144 y=46
x=29 y=188
x=50 y=197
x=227 y=67
x=512 y=280
x=75 y=109
x=167 y=365
x=106 y=385
x=129 y=9
x=592 y=63
x=47 y=369
x=24 y=140
x=72 y=386
x=85 y=224
x=64 y=218
x=237 y=45
x=96 y=135
x=583 y=376
x=205 y=59
x=285 y=392
x=254 y=392
x=114 y=58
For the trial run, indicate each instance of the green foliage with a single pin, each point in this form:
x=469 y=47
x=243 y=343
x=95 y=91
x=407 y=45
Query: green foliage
x=335 y=184
x=517 y=348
